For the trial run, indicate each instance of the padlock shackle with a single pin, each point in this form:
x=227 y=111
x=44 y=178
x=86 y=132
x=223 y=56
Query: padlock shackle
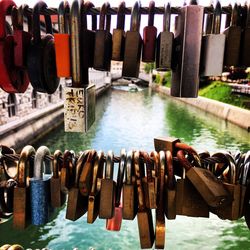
x=141 y=198
x=97 y=171
x=56 y=163
x=151 y=13
x=135 y=17
x=167 y=17
x=104 y=17
x=193 y=2
x=63 y=17
x=248 y=17
x=79 y=165
x=170 y=170
x=75 y=44
x=217 y=19
x=162 y=171
x=156 y=160
x=40 y=162
x=129 y=164
x=149 y=165
x=121 y=16
x=109 y=167
x=235 y=14
x=37 y=10
x=183 y=161
x=120 y=177
x=24 y=166
x=209 y=23
x=15 y=19
x=5 y=6
x=85 y=7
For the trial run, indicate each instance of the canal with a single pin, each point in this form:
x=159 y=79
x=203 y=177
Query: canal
x=131 y=120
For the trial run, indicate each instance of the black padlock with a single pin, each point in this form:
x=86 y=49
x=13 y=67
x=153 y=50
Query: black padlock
x=41 y=59
x=133 y=45
x=103 y=41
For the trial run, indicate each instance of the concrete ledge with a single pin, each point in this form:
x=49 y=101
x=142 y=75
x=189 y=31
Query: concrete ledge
x=235 y=115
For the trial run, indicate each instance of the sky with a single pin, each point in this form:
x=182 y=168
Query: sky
x=129 y=3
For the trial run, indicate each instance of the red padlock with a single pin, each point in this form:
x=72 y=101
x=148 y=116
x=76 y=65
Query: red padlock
x=21 y=38
x=12 y=78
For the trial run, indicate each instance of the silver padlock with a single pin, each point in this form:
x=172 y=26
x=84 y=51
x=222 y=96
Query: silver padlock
x=80 y=97
x=213 y=46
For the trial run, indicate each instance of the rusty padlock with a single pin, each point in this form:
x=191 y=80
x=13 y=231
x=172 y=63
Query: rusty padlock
x=149 y=36
x=62 y=42
x=21 y=215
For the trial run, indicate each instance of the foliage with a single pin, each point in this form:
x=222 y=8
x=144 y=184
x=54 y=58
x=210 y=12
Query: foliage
x=149 y=67
x=163 y=79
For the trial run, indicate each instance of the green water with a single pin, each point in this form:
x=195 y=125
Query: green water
x=132 y=120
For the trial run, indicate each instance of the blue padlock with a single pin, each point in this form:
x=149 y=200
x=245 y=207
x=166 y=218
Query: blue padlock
x=40 y=187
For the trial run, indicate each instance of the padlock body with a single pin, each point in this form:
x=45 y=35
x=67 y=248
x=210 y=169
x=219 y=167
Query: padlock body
x=212 y=54
x=149 y=43
x=159 y=229
x=118 y=45
x=132 y=54
x=62 y=48
x=21 y=41
x=114 y=224
x=188 y=201
x=185 y=74
x=93 y=207
x=232 y=46
x=130 y=206
x=210 y=188
x=164 y=49
x=245 y=55
x=58 y=198
x=145 y=227
x=21 y=213
x=149 y=193
x=87 y=48
x=242 y=200
x=40 y=201
x=103 y=50
x=107 y=199
x=77 y=204
x=170 y=204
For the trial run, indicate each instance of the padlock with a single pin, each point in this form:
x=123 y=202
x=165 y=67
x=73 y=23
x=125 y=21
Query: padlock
x=164 y=44
x=21 y=38
x=41 y=59
x=133 y=45
x=187 y=48
x=149 y=36
x=103 y=41
x=245 y=50
x=79 y=105
x=40 y=188
x=114 y=224
x=231 y=211
x=228 y=16
x=87 y=37
x=12 y=79
x=62 y=41
x=94 y=197
x=108 y=189
x=246 y=210
x=77 y=204
x=148 y=182
x=58 y=197
x=170 y=188
x=233 y=37
x=6 y=196
x=68 y=171
x=130 y=205
x=119 y=34
x=21 y=214
x=213 y=46
x=159 y=212
x=86 y=174
x=209 y=187
x=144 y=214
x=155 y=172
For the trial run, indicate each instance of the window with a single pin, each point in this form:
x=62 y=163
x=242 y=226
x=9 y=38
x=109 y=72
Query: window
x=12 y=107
x=34 y=99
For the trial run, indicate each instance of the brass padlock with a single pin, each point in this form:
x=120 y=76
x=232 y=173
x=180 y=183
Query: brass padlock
x=170 y=188
x=94 y=197
x=108 y=189
x=159 y=212
x=77 y=204
x=21 y=215
x=144 y=215
x=130 y=204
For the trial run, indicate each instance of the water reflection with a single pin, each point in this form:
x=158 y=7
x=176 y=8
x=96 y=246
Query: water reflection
x=132 y=120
